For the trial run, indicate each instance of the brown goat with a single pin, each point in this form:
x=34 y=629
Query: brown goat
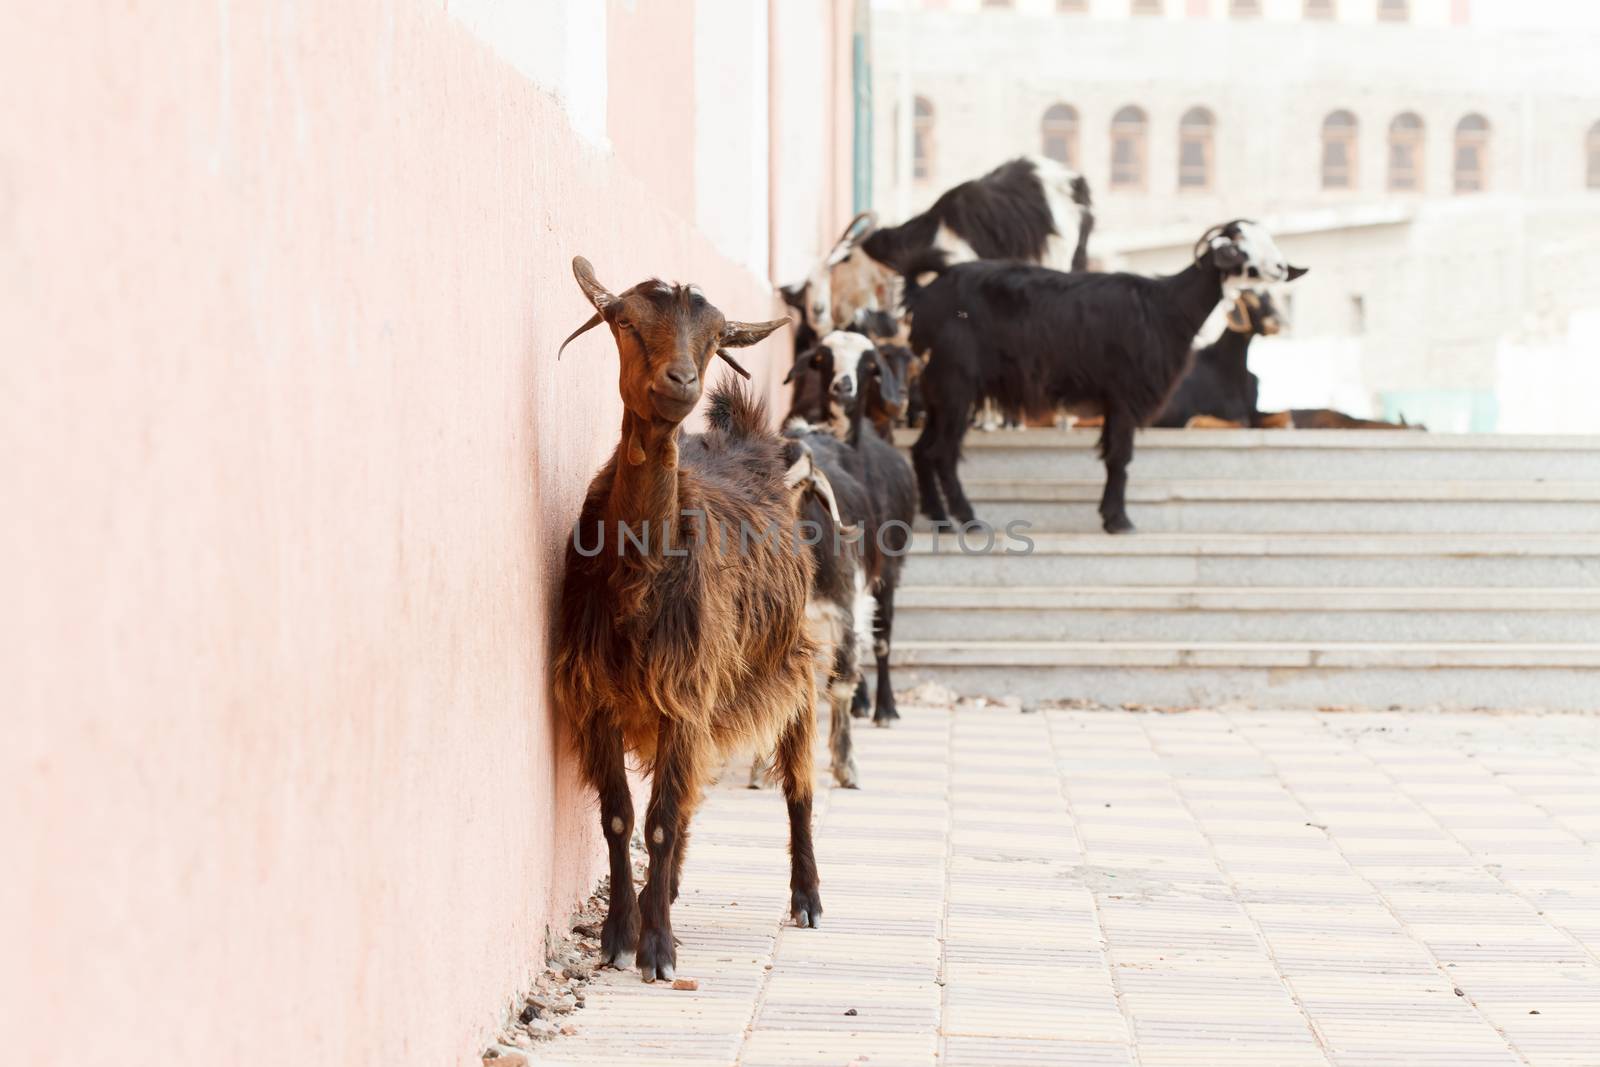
x=691 y=644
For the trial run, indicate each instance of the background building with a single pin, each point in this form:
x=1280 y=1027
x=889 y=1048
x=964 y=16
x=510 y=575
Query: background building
x=1435 y=162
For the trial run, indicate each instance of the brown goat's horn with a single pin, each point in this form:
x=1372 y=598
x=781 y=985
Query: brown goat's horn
x=744 y=334
x=594 y=320
x=723 y=352
x=598 y=295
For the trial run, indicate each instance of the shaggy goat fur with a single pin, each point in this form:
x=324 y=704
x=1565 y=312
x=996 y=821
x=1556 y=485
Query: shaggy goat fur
x=852 y=369
x=693 y=644
x=838 y=612
x=1034 y=340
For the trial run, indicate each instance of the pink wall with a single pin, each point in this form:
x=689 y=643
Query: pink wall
x=280 y=292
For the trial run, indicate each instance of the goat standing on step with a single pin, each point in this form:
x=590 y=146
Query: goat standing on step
x=692 y=644
x=1034 y=340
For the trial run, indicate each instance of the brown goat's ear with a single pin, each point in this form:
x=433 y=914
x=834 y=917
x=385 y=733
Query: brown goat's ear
x=730 y=361
x=594 y=320
x=745 y=334
x=598 y=295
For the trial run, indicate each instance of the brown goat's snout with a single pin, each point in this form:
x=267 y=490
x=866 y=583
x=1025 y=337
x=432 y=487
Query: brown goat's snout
x=676 y=390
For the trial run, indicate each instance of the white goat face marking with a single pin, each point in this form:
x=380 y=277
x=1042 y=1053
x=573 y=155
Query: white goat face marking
x=847 y=350
x=1260 y=253
x=616 y=824
x=819 y=299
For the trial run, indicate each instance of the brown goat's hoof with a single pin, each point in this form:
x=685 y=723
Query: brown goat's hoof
x=846 y=775
x=885 y=716
x=658 y=955
x=618 y=937
x=1119 y=525
x=806 y=907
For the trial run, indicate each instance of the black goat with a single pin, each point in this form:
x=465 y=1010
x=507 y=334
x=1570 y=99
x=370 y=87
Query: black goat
x=1219 y=385
x=851 y=367
x=1034 y=340
x=839 y=612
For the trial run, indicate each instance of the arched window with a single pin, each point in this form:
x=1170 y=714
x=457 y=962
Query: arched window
x=1320 y=9
x=1405 y=153
x=1472 y=154
x=1339 y=131
x=1394 y=10
x=1147 y=7
x=1594 y=156
x=1244 y=9
x=1195 y=149
x=922 y=138
x=1058 y=134
x=1128 y=148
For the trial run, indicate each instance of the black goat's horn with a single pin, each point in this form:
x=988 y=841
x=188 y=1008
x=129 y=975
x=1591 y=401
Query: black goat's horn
x=594 y=320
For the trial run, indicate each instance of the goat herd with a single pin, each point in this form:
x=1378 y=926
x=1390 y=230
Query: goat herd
x=714 y=639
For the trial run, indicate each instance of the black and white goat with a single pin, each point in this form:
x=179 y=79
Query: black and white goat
x=836 y=509
x=1035 y=340
x=1031 y=209
x=1220 y=392
x=851 y=367
x=1219 y=388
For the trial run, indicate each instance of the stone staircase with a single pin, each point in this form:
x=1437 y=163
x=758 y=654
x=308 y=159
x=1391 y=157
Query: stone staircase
x=1272 y=568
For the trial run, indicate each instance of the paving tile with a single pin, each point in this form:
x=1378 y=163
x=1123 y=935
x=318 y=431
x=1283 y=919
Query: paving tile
x=1111 y=889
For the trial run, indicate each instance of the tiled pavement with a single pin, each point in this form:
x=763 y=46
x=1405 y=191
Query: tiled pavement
x=1109 y=888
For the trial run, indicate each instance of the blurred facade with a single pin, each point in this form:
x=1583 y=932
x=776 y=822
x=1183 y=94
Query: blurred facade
x=1439 y=173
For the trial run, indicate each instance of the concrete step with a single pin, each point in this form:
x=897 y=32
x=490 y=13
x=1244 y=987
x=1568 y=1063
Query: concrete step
x=1248 y=506
x=1197 y=614
x=1257 y=560
x=1264 y=674
x=1324 y=455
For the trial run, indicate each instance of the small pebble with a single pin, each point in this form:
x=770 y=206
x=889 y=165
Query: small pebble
x=685 y=983
x=851 y=1011
x=1535 y=1011
x=1458 y=992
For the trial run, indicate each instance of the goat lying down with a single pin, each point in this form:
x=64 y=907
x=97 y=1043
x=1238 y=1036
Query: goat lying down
x=691 y=645
x=1034 y=340
x=1220 y=392
x=1219 y=386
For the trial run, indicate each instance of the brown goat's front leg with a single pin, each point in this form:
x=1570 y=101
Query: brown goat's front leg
x=794 y=763
x=674 y=788
x=620 y=933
